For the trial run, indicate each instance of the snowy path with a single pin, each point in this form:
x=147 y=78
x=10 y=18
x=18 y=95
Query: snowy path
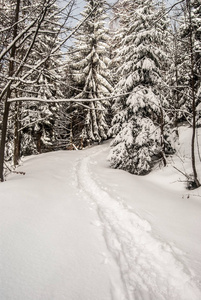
x=150 y=269
x=65 y=235
x=49 y=247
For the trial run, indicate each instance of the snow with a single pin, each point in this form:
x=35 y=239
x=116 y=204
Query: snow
x=73 y=228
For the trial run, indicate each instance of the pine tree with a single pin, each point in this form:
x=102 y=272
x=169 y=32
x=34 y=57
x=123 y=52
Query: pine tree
x=91 y=76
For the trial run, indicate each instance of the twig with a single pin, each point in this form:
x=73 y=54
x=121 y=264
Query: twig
x=12 y=171
x=181 y=172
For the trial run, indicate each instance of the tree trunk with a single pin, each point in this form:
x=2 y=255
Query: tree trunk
x=176 y=103
x=3 y=139
x=8 y=95
x=38 y=141
x=162 y=137
x=195 y=176
x=17 y=135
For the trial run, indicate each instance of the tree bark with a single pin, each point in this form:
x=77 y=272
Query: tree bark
x=17 y=135
x=162 y=137
x=195 y=176
x=8 y=95
x=176 y=103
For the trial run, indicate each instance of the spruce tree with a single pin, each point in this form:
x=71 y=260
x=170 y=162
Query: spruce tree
x=139 y=124
x=91 y=75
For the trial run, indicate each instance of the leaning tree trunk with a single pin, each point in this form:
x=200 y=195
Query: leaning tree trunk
x=8 y=94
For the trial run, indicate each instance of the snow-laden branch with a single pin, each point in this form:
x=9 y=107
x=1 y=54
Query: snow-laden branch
x=18 y=37
x=37 y=99
x=52 y=51
x=73 y=31
x=169 y=10
x=39 y=20
x=32 y=123
x=11 y=26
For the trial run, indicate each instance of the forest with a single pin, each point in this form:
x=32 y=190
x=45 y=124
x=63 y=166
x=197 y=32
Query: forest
x=128 y=71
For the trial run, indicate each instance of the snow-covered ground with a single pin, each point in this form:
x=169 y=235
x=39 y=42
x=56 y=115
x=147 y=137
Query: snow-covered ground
x=74 y=229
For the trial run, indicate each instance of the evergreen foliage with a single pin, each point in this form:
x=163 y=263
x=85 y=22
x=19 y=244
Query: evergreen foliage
x=141 y=112
x=91 y=75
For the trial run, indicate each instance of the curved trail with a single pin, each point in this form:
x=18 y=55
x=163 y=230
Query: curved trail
x=149 y=268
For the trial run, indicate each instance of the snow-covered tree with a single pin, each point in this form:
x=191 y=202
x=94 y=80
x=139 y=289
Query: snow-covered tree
x=139 y=126
x=37 y=120
x=91 y=76
x=177 y=80
x=29 y=66
x=191 y=34
x=196 y=28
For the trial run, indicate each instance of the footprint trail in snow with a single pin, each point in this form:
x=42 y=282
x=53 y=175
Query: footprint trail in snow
x=149 y=268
